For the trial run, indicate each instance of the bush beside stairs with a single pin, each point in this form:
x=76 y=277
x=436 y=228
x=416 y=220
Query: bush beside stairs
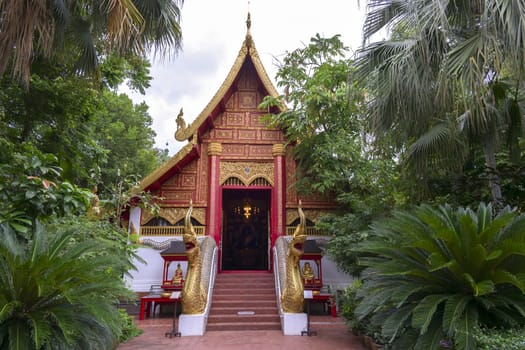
x=244 y=301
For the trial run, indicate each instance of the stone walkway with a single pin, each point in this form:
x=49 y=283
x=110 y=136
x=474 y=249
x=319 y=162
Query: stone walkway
x=332 y=334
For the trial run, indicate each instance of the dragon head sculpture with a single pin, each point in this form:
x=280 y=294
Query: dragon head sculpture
x=296 y=245
x=190 y=237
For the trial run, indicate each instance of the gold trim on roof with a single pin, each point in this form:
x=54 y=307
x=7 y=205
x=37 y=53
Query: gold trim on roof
x=248 y=49
x=152 y=177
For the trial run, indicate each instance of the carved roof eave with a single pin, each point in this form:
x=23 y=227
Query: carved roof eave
x=167 y=166
x=247 y=49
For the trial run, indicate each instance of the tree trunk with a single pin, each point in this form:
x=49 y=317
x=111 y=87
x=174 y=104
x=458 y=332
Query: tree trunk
x=492 y=173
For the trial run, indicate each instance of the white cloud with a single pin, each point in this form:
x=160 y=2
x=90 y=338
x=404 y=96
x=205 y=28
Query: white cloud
x=213 y=32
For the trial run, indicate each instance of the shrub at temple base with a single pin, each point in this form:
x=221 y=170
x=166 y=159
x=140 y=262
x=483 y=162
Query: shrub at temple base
x=434 y=276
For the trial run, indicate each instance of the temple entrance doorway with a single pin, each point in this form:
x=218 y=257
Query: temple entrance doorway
x=245 y=229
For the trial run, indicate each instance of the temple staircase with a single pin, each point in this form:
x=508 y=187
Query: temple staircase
x=244 y=301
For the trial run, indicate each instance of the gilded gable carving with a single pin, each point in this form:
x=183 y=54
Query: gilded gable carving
x=311 y=214
x=230 y=104
x=233 y=150
x=256 y=120
x=234 y=119
x=271 y=135
x=260 y=150
x=224 y=134
x=247 y=99
x=247 y=134
x=246 y=171
x=174 y=215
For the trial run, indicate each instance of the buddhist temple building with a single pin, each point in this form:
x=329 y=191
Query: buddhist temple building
x=238 y=172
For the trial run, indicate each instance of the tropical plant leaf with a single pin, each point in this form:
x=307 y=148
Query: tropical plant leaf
x=425 y=311
x=464 y=333
x=396 y=322
x=453 y=312
x=432 y=338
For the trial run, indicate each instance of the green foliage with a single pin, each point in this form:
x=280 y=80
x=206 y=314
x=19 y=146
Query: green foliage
x=116 y=69
x=86 y=31
x=504 y=339
x=336 y=155
x=92 y=131
x=437 y=274
x=59 y=291
x=349 y=303
x=129 y=328
x=447 y=84
x=31 y=188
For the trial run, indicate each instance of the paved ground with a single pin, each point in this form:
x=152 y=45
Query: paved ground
x=331 y=334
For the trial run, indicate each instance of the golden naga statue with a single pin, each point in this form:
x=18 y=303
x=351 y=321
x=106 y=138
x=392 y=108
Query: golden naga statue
x=292 y=297
x=194 y=296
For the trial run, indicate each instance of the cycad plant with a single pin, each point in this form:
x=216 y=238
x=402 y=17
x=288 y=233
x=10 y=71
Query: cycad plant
x=435 y=274
x=57 y=292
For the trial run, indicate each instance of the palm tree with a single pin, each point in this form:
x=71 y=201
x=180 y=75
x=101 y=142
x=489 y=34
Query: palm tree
x=58 y=292
x=443 y=77
x=90 y=28
x=436 y=274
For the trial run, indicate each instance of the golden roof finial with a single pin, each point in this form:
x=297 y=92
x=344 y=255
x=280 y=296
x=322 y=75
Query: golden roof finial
x=248 y=22
x=248 y=40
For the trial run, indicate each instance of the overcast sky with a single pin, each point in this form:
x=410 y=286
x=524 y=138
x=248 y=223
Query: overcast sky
x=213 y=32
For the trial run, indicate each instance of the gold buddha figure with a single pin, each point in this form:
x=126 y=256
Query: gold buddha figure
x=177 y=277
x=308 y=273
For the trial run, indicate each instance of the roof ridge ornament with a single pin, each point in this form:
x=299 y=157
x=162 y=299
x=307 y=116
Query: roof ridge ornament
x=181 y=127
x=248 y=39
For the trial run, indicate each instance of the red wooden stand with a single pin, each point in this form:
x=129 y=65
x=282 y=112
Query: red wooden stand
x=147 y=304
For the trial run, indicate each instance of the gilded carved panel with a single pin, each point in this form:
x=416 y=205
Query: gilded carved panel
x=260 y=150
x=188 y=180
x=256 y=120
x=173 y=181
x=271 y=135
x=223 y=134
x=247 y=99
x=247 y=134
x=179 y=196
x=311 y=214
x=233 y=150
x=234 y=119
x=201 y=194
x=174 y=215
x=230 y=104
x=246 y=171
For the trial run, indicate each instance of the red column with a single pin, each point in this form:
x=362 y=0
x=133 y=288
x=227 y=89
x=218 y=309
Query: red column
x=214 y=210
x=279 y=192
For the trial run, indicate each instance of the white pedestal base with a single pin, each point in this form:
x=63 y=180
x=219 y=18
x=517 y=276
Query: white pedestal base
x=192 y=324
x=293 y=324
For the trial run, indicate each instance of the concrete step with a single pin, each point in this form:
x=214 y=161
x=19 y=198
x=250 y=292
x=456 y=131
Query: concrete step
x=244 y=301
x=242 y=297
x=234 y=310
x=243 y=305
x=236 y=289
x=244 y=326
x=255 y=318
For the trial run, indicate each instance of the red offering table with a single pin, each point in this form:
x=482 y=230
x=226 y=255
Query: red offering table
x=147 y=304
x=327 y=300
